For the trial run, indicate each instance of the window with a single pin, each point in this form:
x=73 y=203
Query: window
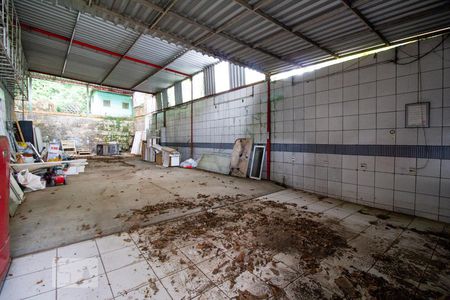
x=171 y=96
x=198 y=85
x=222 y=76
x=186 y=90
x=252 y=76
x=125 y=105
x=107 y=103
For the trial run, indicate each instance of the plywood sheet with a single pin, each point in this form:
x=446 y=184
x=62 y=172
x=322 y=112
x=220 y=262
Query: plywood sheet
x=241 y=156
x=218 y=163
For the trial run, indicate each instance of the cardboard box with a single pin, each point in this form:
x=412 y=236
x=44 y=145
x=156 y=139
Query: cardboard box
x=159 y=159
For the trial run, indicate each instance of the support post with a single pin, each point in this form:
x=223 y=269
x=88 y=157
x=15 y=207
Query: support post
x=269 y=128
x=192 y=119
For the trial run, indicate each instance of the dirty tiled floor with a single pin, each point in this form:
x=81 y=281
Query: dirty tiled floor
x=88 y=205
x=287 y=245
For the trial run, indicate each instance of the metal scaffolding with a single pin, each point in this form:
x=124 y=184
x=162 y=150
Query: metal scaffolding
x=13 y=65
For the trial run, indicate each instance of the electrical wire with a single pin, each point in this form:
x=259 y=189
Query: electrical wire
x=418 y=57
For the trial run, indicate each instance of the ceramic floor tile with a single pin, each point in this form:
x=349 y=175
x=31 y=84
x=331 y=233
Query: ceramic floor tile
x=51 y=295
x=187 y=283
x=153 y=290
x=214 y=293
x=217 y=268
x=421 y=224
x=276 y=273
x=306 y=287
x=81 y=250
x=113 y=242
x=321 y=206
x=29 y=285
x=121 y=257
x=93 y=288
x=200 y=251
x=246 y=282
x=342 y=211
x=32 y=263
x=168 y=262
x=78 y=270
x=130 y=277
x=292 y=261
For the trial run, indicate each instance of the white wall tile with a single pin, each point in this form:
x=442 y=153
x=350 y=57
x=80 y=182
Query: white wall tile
x=405 y=183
x=384 y=180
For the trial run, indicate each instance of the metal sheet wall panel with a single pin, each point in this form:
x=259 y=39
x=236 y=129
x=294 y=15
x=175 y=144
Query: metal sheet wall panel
x=209 y=80
x=237 y=76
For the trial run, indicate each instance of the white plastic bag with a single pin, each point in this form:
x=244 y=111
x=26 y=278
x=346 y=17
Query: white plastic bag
x=31 y=181
x=189 y=164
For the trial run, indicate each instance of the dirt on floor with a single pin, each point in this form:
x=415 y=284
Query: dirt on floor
x=255 y=232
x=92 y=203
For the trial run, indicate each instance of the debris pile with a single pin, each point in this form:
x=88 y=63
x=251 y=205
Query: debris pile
x=251 y=233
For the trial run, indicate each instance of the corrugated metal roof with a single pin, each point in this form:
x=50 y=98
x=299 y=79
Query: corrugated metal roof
x=135 y=73
x=272 y=36
x=191 y=62
x=96 y=31
x=83 y=64
x=159 y=81
x=43 y=54
x=154 y=50
x=46 y=16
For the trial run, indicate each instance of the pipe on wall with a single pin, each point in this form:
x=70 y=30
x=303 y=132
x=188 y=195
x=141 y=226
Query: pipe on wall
x=192 y=118
x=269 y=129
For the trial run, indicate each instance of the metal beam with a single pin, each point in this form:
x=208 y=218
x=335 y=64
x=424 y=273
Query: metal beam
x=120 y=59
x=166 y=64
x=366 y=22
x=70 y=44
x=284 y=26
x=153 y=25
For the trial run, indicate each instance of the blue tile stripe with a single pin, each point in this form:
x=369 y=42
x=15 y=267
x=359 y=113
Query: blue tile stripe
x=417 y=151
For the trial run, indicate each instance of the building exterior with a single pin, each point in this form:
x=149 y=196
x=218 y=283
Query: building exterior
x=109 y=104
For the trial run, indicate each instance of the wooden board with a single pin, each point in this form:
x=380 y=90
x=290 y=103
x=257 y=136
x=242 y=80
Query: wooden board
x=217 y=163
x=240 y=157
x=36 y=166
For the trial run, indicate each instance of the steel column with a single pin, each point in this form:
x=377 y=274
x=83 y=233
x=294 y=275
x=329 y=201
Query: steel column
x=269 y=129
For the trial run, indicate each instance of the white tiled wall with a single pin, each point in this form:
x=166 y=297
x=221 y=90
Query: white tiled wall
x=356 y=102
x=363 y=102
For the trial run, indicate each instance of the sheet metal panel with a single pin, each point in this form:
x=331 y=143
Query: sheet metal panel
x=192 y=62
x=84 y=64
x=43 y=54
x=159 y=82
x=327 y=22
x=46 y=16
x=97 y=32
x=135 y=74
x=153 y=50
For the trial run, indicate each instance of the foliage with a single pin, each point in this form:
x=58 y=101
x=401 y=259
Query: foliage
x=60 y=97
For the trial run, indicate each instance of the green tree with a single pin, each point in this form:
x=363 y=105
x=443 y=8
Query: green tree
x=56 y=96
